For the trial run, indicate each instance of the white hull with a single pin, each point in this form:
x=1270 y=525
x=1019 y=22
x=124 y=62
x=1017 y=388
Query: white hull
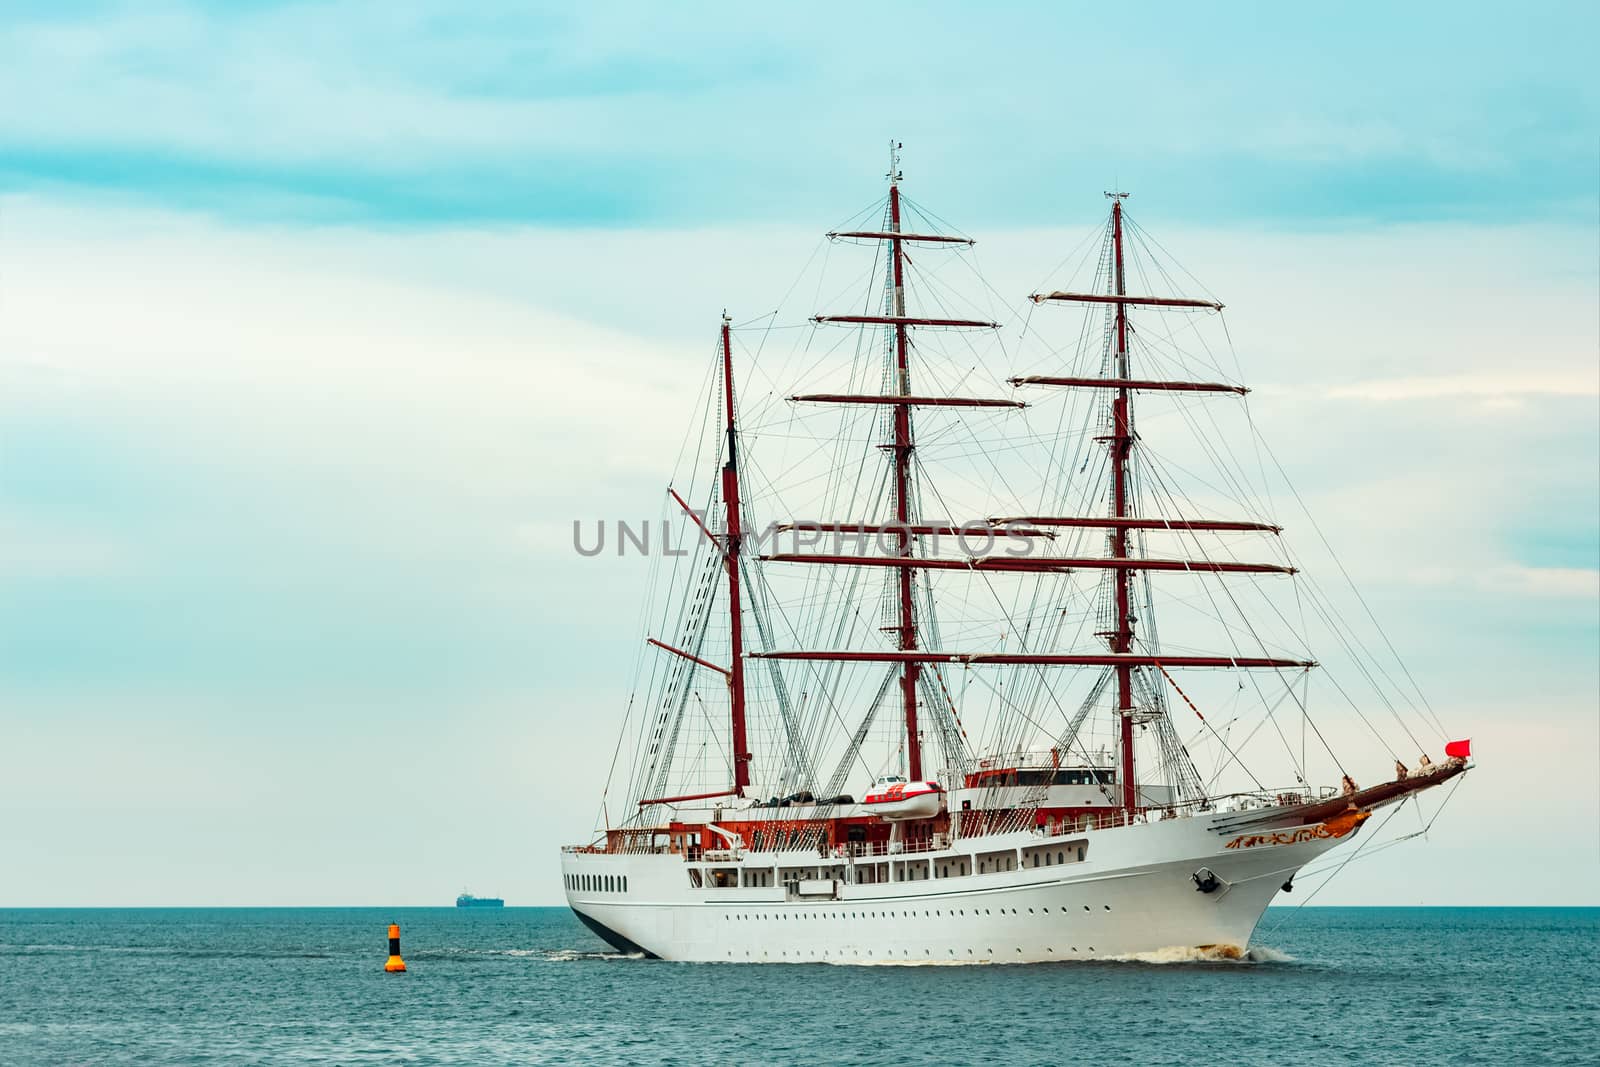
x=1134 y=892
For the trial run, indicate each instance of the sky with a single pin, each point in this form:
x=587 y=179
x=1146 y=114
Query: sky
x=320 y=323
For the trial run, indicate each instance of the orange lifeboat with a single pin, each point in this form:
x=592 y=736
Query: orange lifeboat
x=895 y=799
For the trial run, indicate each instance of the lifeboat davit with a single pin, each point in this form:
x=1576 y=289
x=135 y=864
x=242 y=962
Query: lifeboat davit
x=894 y=798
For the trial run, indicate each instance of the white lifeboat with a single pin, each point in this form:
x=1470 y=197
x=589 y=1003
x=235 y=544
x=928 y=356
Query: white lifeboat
x=895 y=799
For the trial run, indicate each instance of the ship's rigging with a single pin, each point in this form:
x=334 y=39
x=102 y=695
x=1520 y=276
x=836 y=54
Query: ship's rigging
x=880 y=640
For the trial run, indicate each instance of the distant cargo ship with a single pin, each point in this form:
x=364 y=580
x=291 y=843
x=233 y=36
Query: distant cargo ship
x=467 y=900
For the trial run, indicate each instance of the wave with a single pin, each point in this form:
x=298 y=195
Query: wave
x=167 y=951
x=572 y=955
x=1206 y=954
x=549 y=955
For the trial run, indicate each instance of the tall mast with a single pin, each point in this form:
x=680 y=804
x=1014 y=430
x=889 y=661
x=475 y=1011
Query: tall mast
x=730 y=501
x=902 y=470
x=1120 y=443
x=1122 y=520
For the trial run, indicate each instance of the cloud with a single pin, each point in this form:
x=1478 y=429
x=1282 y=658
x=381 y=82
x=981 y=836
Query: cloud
x=1502 y=386
x=598 y=114
x=1578 y=582
x=312 y=485
x=35 y=551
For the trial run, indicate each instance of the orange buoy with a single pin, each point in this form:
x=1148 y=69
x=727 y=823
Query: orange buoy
x=396 y=965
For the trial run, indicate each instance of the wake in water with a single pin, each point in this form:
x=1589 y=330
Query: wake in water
x=1174 y=954
x=572 y=955
x=547 y=955
x=1207 y=954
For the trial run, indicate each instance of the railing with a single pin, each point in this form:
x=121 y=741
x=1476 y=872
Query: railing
x=972 y=826
x=875 y=849
x=1249 y=800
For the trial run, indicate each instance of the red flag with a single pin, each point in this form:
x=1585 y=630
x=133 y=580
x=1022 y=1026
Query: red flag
x=1458 y=749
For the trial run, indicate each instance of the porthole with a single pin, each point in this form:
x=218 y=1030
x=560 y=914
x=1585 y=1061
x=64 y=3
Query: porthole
x=1108 y=907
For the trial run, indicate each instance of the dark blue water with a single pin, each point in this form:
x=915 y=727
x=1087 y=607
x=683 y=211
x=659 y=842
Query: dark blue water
x=529 y=985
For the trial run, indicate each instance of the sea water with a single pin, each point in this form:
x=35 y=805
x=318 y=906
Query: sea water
x=531 y=985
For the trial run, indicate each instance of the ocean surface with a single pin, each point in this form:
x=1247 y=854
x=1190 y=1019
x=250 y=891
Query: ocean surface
x=530 y=985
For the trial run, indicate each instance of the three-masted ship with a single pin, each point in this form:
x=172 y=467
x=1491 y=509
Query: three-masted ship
x=1075 y=823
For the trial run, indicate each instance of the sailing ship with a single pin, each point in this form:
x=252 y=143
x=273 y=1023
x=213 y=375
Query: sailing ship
x=994 y=687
